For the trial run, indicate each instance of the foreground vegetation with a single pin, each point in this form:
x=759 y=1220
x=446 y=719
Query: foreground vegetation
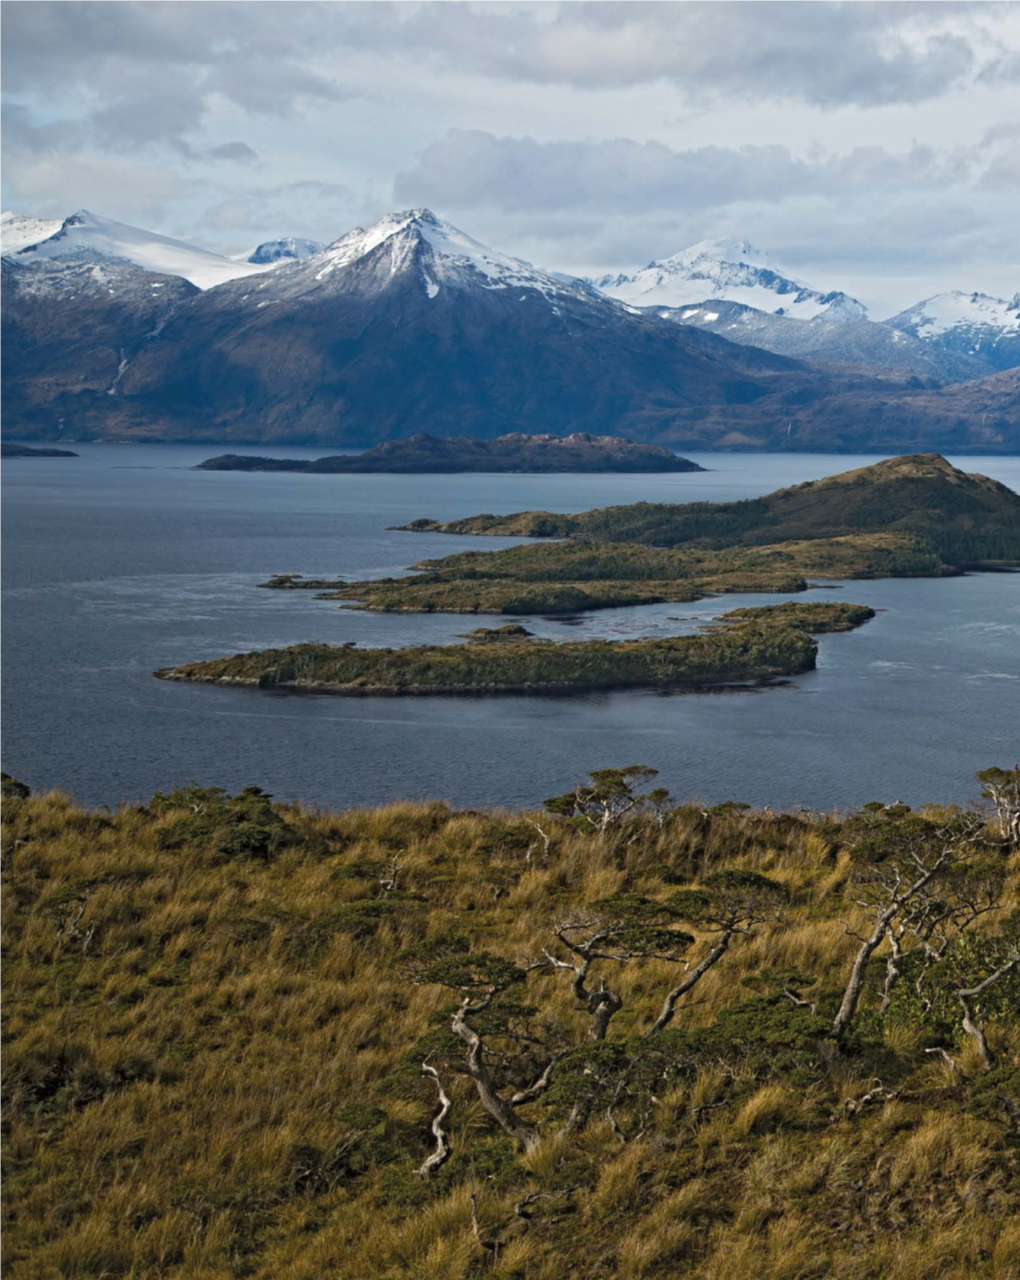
x=617 y=1038
x=912 y=516
x=754 y=644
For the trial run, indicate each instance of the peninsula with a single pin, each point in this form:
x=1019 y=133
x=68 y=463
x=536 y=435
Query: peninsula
x=915 y=516
x=751 y=644
x=518 y=452
x=8 y=450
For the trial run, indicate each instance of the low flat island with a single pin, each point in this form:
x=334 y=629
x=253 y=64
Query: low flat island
x=751 y=644
x=518 y=452
x=9 y=450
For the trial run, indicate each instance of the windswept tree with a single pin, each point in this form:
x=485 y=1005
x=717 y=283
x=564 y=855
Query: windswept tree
x=727 y=905
x=500 y=1042
x=898 y=860
x=613 y=931
x=1002 y=788
x=611 y=796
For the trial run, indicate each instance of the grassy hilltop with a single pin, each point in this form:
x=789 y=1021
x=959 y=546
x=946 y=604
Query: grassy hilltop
x=916 y=516
x=615 y=1039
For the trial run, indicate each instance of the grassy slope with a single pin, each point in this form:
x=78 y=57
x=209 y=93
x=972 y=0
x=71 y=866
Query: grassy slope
x=755 y=644
x=224 y=1081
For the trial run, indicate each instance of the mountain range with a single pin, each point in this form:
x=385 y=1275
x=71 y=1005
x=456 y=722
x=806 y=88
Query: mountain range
x=411 y=324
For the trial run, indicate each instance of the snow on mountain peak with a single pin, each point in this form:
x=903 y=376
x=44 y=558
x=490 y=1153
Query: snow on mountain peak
x=738 y=252
x=17 y=231
x=286 y=249
x=972 y=323
x=729 y=270
x=89 y=233
x=450 y=252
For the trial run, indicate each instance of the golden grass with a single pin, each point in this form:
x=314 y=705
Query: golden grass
x=179 y=1091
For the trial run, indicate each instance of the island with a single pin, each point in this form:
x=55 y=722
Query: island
x=914 y=516
x=517 y=452
x=8 y=450
x=750 y=644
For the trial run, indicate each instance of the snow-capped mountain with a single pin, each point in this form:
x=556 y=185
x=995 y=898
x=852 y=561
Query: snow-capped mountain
x=285 y=249
x=412 y=325
x=17 y=231
x=733 y=271
x=408 y=325
x=440 y=252
x=88 y=235
x=838 y=342
x=973 y=324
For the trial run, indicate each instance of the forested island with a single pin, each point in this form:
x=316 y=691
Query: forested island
x=426 y=454
x=916 y=516
x=10 y=450
x=752 y=644
x=611 y=1037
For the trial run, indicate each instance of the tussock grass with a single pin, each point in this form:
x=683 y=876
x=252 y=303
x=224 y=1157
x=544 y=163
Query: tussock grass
x=224 y=1079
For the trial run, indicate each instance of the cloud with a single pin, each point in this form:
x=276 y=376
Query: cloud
x=473 y=169
x=146 y=75
x=825 y=54
x=239 y=151
x=321 y=210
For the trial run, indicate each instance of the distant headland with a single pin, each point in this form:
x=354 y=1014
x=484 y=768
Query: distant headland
x=25 y=451
x=425 y=454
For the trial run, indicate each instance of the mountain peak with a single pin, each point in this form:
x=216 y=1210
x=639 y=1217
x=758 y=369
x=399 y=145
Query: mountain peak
x=285 y=249
x=728 y=270
x=972 y=323
x=739 y=252
x=91 y=234
x=438 y=251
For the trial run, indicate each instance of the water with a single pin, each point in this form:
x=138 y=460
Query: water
x=124 y=560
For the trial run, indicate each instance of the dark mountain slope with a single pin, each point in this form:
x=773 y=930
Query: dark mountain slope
x=70 y=328
x=375 y=341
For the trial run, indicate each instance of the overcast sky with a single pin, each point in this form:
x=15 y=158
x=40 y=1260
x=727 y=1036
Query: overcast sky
x=869 y=147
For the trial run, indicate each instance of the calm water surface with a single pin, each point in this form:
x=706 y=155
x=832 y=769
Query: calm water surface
x=124 y=560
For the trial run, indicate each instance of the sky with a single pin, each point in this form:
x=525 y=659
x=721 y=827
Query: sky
x=869 y=147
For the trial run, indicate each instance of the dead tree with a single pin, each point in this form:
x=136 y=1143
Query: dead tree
x=443 y=1149
x=972 y=1022
x=894 y=865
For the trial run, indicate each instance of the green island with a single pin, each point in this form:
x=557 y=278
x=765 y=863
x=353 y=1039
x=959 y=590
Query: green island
x=611 y=1037
x=915 y=516
x=424 y=454
x=753 y=644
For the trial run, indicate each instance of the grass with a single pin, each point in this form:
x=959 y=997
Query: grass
x=213 y=1070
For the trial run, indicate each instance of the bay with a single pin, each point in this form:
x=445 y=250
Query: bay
x=125 y=559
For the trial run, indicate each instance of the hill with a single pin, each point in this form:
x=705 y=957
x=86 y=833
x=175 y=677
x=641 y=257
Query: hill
x=423 y=453
x=619 y=1039
x=911 y=516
